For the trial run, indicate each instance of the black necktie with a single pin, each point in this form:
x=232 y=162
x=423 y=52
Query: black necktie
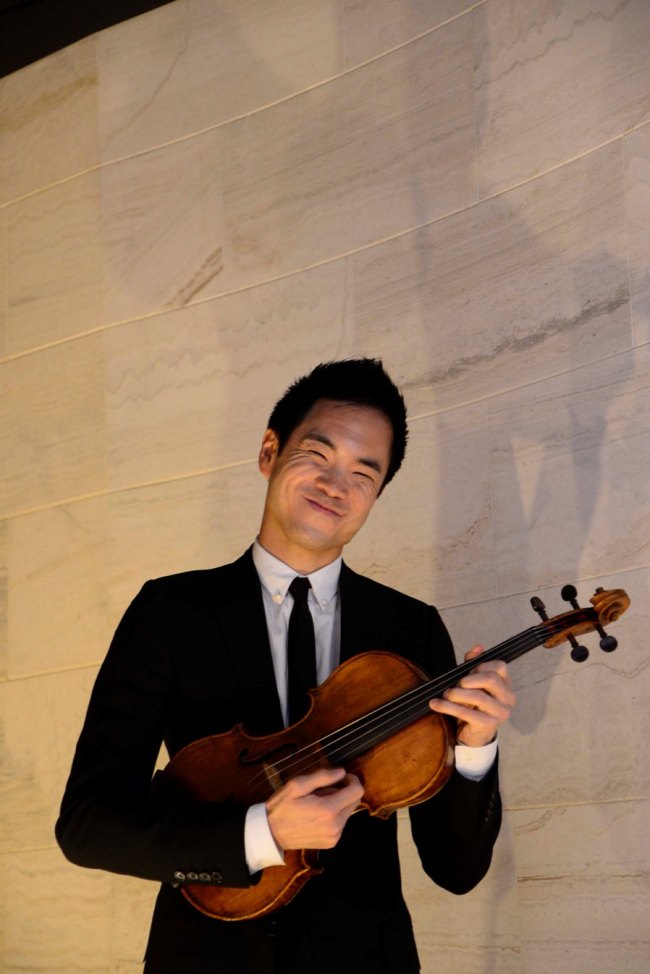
x=301 y=651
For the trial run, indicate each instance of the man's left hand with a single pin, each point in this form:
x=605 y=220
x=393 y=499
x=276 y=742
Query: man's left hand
x=480 y=702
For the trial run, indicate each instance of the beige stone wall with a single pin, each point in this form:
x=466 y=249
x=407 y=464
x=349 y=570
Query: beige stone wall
x=202 y=203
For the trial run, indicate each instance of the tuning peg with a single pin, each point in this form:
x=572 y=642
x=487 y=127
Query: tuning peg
x=539 y=607
x=578 y=653
x=570 y=594
x=607 y=643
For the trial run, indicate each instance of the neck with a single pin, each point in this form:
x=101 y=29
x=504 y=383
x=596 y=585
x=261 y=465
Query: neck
x=302 y=561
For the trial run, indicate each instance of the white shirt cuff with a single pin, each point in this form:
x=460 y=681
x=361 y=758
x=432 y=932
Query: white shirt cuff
x=259 y=845
x=475 y=762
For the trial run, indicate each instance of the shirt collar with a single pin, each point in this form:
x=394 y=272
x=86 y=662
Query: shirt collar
x=276 y=577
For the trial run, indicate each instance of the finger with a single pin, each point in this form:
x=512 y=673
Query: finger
x=478 y=699
x=489 y=682
x=474 y=719
x=496 y=671
x=476 y=725
x=470 y=709
x=497 y=666
x=347 y=796
x=475 y=651
x=306 y=784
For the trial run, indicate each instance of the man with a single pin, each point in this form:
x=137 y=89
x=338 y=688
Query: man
x=199 y=652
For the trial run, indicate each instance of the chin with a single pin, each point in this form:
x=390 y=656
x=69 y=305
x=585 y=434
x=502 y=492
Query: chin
x=313 y=540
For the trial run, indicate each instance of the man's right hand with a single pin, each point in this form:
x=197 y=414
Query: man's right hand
x=310 y=811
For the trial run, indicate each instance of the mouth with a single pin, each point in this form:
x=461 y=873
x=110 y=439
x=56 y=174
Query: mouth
x=322 y=508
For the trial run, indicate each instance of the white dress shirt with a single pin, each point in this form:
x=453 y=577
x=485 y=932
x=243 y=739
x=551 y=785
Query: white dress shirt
x=324 y=604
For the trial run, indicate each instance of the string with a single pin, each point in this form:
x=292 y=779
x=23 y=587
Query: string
x=406 y=707
x=361 y=733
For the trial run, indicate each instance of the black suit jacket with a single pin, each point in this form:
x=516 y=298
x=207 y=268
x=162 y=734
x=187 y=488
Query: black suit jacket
x=191 y=658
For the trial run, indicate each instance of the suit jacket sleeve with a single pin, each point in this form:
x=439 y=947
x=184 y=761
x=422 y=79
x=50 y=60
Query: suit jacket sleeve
x=455 y=830
x=109 y=817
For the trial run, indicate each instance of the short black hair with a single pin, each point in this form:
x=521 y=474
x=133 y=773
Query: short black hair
x=361 y=381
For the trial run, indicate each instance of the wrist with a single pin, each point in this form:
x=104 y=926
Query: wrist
x=460 y=743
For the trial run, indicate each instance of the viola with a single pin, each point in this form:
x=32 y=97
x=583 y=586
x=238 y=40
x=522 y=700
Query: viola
x=372 y=717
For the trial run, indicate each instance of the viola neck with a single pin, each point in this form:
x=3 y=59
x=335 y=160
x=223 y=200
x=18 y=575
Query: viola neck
x=360 y=735
x=508 y=651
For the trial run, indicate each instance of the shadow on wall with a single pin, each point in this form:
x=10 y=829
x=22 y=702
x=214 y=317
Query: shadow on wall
x=530 y=292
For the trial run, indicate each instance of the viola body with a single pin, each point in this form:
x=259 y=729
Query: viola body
x=404 y=767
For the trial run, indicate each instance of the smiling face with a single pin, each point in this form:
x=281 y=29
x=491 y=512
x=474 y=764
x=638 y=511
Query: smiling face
x=323 y=483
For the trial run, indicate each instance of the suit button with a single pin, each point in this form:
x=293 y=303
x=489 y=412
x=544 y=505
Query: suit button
x=216 y=877
x=192 y=876
x=204 y=877
x=179 y=876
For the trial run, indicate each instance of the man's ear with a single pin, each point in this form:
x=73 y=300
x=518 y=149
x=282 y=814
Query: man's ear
x=268 y=452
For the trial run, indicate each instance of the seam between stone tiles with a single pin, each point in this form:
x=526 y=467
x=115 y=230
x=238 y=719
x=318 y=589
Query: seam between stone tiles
x=297 y=94
x=524 y=385
x=307 y=267
x=402 y=814
x=493 y=530
x=37 y=674
x=45 y=189
x=342 y=37
x=477 y=163
x=570 y=159
x=77 y=667
x=26 y=850
x=541 y=806
x=280 y=101
x=627 y=240
x=138 y=485
x=159 y=312
x=516 y=593
x=206 y=471
x=255 y=111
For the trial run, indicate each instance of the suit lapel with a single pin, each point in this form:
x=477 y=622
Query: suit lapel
x=242 y=623
x=361 y=628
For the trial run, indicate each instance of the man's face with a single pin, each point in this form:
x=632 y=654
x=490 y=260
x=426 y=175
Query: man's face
x=324 y=482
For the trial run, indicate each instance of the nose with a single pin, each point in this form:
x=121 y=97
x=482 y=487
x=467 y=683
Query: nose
x=333 y=482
